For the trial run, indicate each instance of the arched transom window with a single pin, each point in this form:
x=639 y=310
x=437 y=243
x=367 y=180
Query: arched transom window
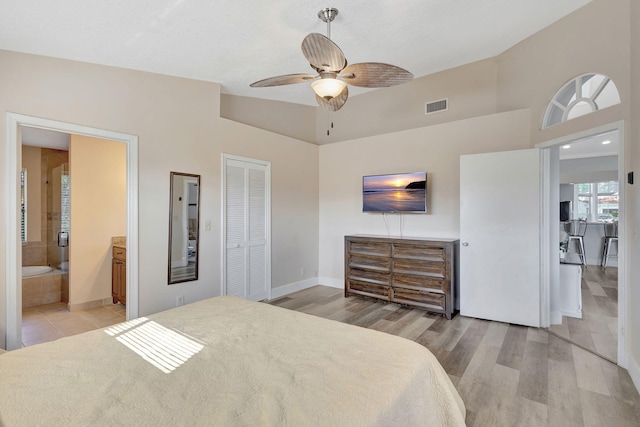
x=583 y=95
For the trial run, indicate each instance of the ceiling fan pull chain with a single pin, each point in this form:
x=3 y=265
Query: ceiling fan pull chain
x=329 y=123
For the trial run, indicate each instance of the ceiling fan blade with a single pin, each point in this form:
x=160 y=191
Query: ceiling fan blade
x=336 y=103
x=375 y=74
x=322 y=53
x=287 y=79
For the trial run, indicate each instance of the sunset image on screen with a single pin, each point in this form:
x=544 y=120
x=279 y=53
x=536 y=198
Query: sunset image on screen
x=394 y=193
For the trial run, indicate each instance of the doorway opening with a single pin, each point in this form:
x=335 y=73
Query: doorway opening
x=13 y=263
x=585 y=204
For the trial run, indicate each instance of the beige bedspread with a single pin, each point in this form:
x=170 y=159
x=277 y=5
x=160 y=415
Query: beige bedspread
x=223 y=362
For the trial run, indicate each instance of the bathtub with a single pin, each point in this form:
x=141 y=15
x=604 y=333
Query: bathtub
x=35 y=270
x=42 y=284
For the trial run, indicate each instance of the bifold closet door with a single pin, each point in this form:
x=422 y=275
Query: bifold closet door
x=246 y=266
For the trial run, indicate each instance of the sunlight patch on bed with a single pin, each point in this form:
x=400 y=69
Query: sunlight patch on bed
x=162 y=347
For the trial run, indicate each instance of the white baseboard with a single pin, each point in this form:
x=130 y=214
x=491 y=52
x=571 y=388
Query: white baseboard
x=331 y=282
x=281 y=291
x=634 y=370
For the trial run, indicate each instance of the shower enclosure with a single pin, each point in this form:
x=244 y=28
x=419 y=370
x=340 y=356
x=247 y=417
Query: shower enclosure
x=58 y=222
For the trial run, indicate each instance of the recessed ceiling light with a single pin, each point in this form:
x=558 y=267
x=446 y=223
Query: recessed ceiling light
x=606 y=142
x=566 y=146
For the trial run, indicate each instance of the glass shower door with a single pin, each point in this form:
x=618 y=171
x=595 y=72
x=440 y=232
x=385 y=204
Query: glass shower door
x=60 y=224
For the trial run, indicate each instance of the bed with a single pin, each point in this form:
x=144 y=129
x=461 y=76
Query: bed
x=227 y=361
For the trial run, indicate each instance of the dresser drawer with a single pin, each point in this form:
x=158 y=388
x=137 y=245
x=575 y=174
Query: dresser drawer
x=119 y=253
x=419 y=252
x=428 y=300
x=370 y=248
x=380 y=278
x=368 y=289
x=419 y=266
x=368 y=262
x=419 y=283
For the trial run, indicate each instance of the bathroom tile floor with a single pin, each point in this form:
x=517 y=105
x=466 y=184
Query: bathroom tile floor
x=52 y=321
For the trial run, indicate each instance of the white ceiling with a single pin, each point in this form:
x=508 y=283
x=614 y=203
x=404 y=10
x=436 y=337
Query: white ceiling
x=238 y=42
x=591 y=146
x=44 y=138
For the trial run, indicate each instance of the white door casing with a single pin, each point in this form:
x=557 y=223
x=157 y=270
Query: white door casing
x=500 y=236
x=13 y=257
x=246 y=264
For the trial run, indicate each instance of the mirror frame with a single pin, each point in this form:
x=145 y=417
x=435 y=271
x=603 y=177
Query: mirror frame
x=197 y=231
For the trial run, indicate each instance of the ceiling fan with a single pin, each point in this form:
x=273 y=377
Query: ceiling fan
x=330 y=63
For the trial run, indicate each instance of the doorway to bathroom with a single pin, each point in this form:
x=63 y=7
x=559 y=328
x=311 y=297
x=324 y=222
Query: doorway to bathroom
x=16 y=123
x=95 y=191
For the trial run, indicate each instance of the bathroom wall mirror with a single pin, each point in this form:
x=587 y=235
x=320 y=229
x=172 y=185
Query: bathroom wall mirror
x=184 y=227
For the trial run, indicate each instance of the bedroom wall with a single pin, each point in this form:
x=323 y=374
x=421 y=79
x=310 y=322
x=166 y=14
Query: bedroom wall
x=98 y=186
x=179 y=128
x=435 y=149
x=595 y=38
x=294 y=120
x=470 y=89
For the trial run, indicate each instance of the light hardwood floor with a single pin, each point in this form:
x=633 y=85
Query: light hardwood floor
x=597 y=331
x=507 y=375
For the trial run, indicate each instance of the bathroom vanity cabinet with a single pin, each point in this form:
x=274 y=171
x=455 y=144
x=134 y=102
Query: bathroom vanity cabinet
x=119 y=275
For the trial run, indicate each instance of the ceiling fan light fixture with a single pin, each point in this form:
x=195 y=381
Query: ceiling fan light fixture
x=328 y=88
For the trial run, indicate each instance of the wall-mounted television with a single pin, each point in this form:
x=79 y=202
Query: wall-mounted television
x=400 y=192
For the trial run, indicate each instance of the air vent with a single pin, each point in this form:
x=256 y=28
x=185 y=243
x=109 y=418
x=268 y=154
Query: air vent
x=436 y=106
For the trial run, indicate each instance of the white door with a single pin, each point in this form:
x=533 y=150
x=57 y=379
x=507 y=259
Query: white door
x=246 y=262
x=500 y=236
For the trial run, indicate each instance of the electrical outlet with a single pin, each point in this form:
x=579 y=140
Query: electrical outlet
x=207 y=225
x=179 y=300
x=302 y=272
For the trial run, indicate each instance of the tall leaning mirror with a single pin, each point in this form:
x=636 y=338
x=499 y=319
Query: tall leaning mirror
x=184 y=227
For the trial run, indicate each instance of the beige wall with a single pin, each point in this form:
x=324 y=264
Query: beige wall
x=435 y=149
x=470 y=89
x=296 y=121
x=178 y=125
x=31 y=161
x=98 y=183
x=595 y=38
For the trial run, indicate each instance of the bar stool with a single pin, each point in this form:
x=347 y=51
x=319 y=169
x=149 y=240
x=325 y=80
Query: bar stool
x=610 y=236
x=576 y=230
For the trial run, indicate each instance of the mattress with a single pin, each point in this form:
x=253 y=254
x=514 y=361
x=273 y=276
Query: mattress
x=227 y=361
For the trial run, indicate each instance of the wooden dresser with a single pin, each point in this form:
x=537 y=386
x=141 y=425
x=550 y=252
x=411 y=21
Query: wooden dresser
x=119 y=275
x=417 y=272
